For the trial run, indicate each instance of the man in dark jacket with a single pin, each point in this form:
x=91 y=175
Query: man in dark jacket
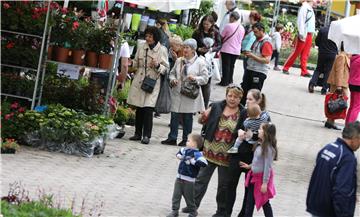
x=332 y=188
x=326 y=58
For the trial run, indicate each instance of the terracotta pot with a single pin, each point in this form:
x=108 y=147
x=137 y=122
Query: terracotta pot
x=91 y=59
x=61 y=54
x=78 y=57
x=105 y=61
x=50 y=52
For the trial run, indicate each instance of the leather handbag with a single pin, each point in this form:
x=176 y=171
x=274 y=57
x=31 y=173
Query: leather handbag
x=329 y=98
x=148 y=83
x=190 y=88
x=336 y=105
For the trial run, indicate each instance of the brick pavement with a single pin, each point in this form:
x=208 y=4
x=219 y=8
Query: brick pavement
x=137 y=180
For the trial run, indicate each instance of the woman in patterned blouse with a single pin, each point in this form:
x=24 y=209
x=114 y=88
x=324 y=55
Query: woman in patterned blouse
x=221 y=122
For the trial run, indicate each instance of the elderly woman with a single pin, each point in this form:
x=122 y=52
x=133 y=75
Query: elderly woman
x=151 y=60
x=191 y=67
x=221 y=125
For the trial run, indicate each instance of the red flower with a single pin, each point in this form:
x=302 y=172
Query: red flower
x=21 y=110
x=19 y=11
x=35 y=16
x=6 y=6
x=7 y=117
x=25 y=1
x=75 y=25
x=10 y=45
x=64 y=10
x=15 y=105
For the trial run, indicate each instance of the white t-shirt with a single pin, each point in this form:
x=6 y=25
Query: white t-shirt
x=124 y=52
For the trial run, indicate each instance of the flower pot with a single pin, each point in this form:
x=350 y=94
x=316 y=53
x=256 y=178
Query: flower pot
x=135 y=22
x=61 y=54
x=8 y=151
x=105 y=61
x=50 y=52
x=78 y=57
x=91 y=58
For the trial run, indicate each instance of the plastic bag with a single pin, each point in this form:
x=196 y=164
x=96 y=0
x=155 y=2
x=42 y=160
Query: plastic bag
x=112 y=131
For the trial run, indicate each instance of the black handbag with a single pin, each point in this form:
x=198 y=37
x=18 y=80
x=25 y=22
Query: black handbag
x=337 y=105
x=190 y=88
x=163 y=103
x=148 y=83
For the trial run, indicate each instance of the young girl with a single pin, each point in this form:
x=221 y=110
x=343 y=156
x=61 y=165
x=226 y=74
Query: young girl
x=259 y=180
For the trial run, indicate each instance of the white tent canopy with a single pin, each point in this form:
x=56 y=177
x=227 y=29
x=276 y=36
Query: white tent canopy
x=167 y=5
x=346 y=30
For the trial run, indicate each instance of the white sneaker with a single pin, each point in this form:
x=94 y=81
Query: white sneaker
x=232 y=150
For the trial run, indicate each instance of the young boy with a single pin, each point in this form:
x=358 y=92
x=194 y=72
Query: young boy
x=276 y=44
x=191 y=159
x=252 y=124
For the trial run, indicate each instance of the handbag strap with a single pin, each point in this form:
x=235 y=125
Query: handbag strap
x=231 y=34
x=146 y=55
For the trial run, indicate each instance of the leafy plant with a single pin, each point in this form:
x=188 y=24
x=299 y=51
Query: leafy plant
x=184 y=32
x=121 y=116
x=205 y=8
x=9 y=144
x=10 y=113
x=79 y=36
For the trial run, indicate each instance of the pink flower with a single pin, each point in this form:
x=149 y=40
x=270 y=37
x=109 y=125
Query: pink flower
x=75 y=25
x=64 y=10
x=21 y=110
x=7 y=117
x=10 y=45
x=15 y=105
x=6 y=6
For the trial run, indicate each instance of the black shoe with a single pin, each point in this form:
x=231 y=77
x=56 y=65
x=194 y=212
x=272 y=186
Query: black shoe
x=145 y=140
x=311 y=88
x=331 y=126
x=219 y=214
x=168 y=142
x=135 y=138
x=307 y=75
x=323 y=92
x=285 y=72
x=186 y=210
x=182 y=143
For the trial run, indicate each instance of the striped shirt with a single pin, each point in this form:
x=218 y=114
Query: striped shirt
x=253 y=124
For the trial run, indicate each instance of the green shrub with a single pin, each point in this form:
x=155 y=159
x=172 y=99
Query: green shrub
x=38 y=209
x=184 y=32
x=285 y=53
x=121 y=116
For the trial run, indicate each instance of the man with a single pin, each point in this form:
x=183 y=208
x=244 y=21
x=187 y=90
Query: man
x=258 y=62
x=326 y=57
x=332 y=188
x=306 y=28
x=230 y=6
x=123 y=64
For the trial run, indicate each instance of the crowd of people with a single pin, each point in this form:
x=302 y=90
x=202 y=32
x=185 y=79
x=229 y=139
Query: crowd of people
x=238 y=135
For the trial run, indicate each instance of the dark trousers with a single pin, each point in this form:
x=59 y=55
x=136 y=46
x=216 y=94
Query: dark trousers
x=202 y=182
x=206 y=90
x=187 y=121
x=252 y=80
x=144 y=121
x=275 y=55
x=228 y=64
x=324 y=65
x=245 y=69
x=186 y=189
x=250 y=204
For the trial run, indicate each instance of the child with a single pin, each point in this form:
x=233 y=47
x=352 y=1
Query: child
x=251 y=125
x=260 y=178
x=276 y=44
x=191 y=159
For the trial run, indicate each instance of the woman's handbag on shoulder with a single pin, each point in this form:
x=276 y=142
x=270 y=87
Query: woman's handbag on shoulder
x=163 y=103
x=190 y=88
x=335 y=106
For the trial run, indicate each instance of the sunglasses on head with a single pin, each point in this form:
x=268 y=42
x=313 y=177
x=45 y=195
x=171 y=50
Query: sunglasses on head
x=232 y=86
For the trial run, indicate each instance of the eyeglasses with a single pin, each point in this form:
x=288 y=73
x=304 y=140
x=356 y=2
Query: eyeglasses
x=232 y=86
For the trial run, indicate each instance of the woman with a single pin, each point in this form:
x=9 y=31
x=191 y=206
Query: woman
x=354 y=85
x=206 y=29
x=188 y=67
x=162 y=25
x=338 y=80
x=232 y=36
x=151 y=60
x=222 y=123
x=245 y=154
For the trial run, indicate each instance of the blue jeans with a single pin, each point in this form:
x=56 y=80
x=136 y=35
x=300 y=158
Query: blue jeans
x=174 y=125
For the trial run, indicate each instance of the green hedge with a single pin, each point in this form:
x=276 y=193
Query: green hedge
x=284 y=54
x=37 y=209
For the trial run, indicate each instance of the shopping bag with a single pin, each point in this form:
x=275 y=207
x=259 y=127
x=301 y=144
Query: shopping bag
x=329 y=98
x=163 y=103
x=216 y=77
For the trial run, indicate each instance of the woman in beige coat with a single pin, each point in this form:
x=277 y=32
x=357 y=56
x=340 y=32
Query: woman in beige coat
x=191 y=67
x=338 y=80
x=151 y=59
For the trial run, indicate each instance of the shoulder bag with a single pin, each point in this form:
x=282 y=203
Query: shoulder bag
x=148 y=83
x=189 y=88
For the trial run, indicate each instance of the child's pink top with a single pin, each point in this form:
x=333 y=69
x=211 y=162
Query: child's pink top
x=354 y=77
x=257 y=180
x=232 y=45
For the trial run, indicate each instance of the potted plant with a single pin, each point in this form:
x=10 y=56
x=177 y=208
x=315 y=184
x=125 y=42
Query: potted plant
x=106 y=47
x=121 y=117
x=9 y=146
x=79 y=42
x=93 y=47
